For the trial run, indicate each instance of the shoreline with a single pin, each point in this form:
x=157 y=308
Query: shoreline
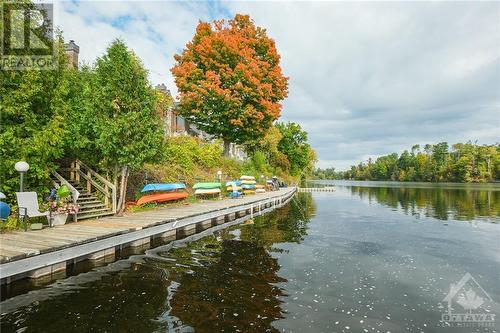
x=42 y=253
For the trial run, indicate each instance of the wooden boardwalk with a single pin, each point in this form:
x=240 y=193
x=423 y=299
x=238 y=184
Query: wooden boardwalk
x=316 y=189
x=23 y=252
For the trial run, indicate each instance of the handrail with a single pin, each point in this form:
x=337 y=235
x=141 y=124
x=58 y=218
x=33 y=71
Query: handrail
x=98 y=176
x=91 y=177
x=74 y=192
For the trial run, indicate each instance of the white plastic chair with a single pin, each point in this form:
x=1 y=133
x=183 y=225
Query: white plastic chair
x=27 y=203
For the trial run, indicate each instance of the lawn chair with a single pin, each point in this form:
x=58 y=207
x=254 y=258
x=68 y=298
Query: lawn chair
x=27 y=203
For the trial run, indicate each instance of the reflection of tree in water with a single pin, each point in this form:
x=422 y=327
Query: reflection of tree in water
x=125 y=301
x=233 y=293
x=287 y=224
x=440 y=203
x=226 y=282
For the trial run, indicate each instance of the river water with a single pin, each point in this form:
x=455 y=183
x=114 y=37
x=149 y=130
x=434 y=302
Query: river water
x=369 y=257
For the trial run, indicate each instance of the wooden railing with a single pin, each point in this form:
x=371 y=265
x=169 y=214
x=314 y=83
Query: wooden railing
x=82 y=174
x=61 y=181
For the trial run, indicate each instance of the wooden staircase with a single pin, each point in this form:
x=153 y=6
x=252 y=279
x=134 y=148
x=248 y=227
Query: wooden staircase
x=91 y=205
x=95 y=195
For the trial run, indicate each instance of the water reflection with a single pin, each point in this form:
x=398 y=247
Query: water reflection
x=122 y=301
x=440 y=203
x=227 y=281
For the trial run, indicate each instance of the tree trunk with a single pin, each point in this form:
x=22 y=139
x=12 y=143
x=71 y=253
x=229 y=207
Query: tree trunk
x=123 y=190
x=227 y=148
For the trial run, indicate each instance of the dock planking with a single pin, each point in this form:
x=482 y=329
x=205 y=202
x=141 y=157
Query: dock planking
x=17 y=246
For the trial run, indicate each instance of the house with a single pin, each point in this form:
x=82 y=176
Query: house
x=175 y=125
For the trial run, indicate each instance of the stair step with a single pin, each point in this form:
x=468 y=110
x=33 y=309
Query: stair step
x=94 y=215
x=88 y=202
x=96 y=210
x=85 y=195
x=92 y=206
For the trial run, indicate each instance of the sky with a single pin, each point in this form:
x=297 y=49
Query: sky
x=366 y=79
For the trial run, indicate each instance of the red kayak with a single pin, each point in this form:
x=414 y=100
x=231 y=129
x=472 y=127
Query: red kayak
x=162 y=197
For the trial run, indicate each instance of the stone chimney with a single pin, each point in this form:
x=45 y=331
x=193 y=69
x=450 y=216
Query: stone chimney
x=163 y=88
x=72 y=51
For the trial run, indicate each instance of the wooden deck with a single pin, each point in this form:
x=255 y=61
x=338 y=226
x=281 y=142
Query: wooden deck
x=22 y=252
x=316 y=189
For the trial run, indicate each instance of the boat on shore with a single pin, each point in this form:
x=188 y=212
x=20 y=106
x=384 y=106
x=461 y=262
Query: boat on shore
x=162 y=197
x=163 y=187
x=207 y=188
x=207 y=191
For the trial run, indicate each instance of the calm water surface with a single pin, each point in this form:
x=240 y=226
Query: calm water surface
x=366 y=258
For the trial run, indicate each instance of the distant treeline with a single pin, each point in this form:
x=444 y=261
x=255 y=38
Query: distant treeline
x=464 y=162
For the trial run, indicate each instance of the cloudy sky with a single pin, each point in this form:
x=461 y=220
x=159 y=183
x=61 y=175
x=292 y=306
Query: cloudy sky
x=366 y=79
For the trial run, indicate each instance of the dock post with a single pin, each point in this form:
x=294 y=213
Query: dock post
x=47 y=270
x=185 y=231
x=102 y=254
x=143 y=242
x=203 y=225
x=218 y=220
x=230 y=217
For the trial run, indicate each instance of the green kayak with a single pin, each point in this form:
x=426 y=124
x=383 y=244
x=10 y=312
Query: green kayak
x=206 y=185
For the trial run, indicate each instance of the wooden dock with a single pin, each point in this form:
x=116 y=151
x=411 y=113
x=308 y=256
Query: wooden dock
x=42 y=252
x=316 y=189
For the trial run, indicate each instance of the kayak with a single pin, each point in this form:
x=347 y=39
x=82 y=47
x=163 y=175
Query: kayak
x=234 y=194
x=260 y=190
x=248 y=192
x=248 y=187
x=207 y=186
x=247 y=177
x=207 y=191
x=162 y=197
x=163 y=187
x=230 y=188
x=237 y=182
x=260 y=186
x=251 y=182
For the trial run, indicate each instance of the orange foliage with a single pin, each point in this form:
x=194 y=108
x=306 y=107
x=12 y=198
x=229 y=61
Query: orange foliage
x=229 y=79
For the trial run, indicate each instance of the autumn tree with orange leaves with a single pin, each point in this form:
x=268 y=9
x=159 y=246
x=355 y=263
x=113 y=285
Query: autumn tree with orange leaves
x=230 y=80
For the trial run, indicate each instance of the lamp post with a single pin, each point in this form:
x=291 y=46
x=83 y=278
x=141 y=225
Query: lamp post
x=21 y=167
x=219 y=175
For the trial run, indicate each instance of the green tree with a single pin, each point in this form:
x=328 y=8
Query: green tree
x=128 y=130
x=294 y=146
x=465 y=162
x=33 y=109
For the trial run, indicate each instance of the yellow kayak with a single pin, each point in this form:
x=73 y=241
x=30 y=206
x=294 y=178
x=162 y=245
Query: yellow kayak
x=230 y=188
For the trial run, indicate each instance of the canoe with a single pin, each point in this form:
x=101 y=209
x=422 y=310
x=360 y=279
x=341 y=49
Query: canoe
x=162 y=197
x=207 y=186
x=163 y=187
x=207 y=191
x=247 y=177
